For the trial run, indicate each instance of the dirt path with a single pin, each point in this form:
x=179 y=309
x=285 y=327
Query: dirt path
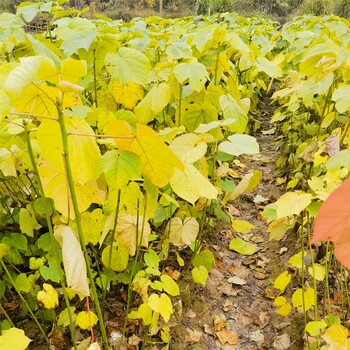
x=247 y=310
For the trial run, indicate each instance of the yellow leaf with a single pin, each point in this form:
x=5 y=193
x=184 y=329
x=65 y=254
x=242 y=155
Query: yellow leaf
x=14 y=339
x=282 y=281
x=55 y=187
x=317 y=271
x=292 y=203
x=73 y=259
x=157 y=160
x=84 y=320
x=284 y=307
x=336 y=337
x=72 y=70
x=169 y=285
x=126 y=232
x=48 y=296
x=83 y=151
x=191 y=184
x=161 y=304
x=127 y=94
x=242 y=226
x=306 y=301
x=184 y=232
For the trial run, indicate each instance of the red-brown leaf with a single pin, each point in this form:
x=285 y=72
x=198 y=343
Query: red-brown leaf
x=333 y=222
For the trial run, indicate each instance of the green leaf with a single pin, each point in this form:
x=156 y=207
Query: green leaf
x=204 y=258
x=282 y=281
x=63 y=318
x=128 y=65
x=28 y=10
x=50 y=273
x=14 y=339
x=151 y=258
x=118 y=260
x=27 y=221
x=170 y=286
x=269 y=67
x=296 y=260
x=200 y=275
x=179 y=50
x=314 y=328
x=194 y=72
x=239 y=144
x=339 y=160
x=2 y=289
x=232 y=110
x=119 y=168
x=242 y=247
x=341 y=98
x=195 y=112
x=75 y=33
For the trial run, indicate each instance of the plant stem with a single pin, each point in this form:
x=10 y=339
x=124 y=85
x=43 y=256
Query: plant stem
x=23 y=300
x=3 y=311
x=52 y=236
x=178 y=120
x=73 y=195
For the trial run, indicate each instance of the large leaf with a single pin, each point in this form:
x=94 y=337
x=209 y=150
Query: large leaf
x=292 y=203
x=55 y=187
x=153 y=103
x=191 y=185
x=240 y=144
x=195 y=112
x=341 y=98
x=269 y=67
x=73 y=259
x=83 y=150
x=194 y=72
x=157 y=160
x=184 y=232
x=128 y=65
x=23 y=75
x=14 y=339
x=75 y=33
x=232 y=110
x=333 y=222
x=128 y=228
x=119 y=168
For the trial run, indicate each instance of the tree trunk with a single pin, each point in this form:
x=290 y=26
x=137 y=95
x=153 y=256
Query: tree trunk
x=161 y=8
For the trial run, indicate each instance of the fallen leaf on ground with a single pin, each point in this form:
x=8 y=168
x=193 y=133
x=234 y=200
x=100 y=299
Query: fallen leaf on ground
x=260 y=275
x=219 y=323
x=191 y=314
x=193 y=336
x=228 y=305
x=227 y=336
x=134 y=340
x=237 y=280
x=282 y=342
